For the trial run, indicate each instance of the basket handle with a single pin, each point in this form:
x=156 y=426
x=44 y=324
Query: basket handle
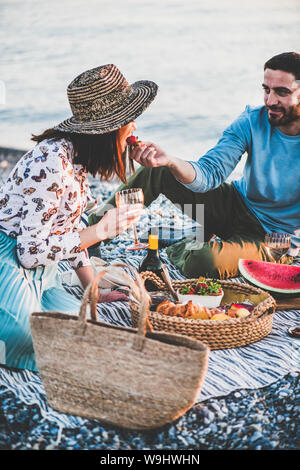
x=137 y=288
x=155 y=279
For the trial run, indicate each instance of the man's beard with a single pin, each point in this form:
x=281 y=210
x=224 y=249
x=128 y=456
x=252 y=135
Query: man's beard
x=290 y=115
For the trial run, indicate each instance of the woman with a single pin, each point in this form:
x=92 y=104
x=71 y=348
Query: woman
x=43 y=199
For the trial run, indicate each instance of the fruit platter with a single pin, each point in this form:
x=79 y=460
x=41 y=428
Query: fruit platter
x=244 y=316
x=199 y=312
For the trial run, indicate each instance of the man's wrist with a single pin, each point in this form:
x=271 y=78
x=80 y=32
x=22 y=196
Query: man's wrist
x=182 y=170
x=172 y=163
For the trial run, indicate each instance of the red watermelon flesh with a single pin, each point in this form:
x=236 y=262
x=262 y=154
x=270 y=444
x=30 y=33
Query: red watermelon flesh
x=273 y=277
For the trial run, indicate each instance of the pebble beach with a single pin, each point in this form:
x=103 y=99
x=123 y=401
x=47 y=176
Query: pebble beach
x=260 y=419
x=264 y=419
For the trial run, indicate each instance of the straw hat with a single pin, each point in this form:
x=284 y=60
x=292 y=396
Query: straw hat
x=102 y=101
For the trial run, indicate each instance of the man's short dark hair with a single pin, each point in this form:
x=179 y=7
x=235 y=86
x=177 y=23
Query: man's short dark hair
x=287 y=61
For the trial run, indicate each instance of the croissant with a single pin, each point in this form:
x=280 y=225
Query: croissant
x=169 y=308
x=188 y=310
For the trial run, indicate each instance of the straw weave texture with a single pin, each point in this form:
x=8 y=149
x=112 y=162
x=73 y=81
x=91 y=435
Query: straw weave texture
x=131 y=378
x=216 y=334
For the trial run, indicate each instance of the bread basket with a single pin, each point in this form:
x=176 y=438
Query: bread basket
x=217 y=334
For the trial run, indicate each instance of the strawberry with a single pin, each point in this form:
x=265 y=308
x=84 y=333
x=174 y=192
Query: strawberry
x=132 y=140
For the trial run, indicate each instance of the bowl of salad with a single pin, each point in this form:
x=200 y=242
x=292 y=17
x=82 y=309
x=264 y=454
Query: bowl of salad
x=205 y=292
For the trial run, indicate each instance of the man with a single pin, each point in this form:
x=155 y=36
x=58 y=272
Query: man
x=266 y=199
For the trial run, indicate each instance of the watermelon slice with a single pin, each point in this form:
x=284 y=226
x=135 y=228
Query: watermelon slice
x=280 y=278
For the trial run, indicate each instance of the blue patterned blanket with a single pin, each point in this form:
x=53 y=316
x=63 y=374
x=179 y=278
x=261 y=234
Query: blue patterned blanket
x=250 y=367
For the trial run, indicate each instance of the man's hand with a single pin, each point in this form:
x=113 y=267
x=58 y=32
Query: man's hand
x=150 y=155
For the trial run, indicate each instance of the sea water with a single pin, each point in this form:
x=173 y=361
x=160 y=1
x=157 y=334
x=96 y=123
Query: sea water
x=206 y=56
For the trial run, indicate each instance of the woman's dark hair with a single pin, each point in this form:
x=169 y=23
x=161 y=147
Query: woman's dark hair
x=287 y=61
x=97 y=153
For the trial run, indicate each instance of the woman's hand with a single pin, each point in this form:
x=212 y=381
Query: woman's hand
x=150 y=155
x=86 y=276
x=112 y=296
x=117 y=220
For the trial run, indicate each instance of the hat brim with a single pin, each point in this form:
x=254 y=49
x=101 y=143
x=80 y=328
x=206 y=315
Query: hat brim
x=143 y=94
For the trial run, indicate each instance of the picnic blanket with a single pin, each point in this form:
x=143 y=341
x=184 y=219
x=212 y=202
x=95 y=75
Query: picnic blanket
x=254 y=366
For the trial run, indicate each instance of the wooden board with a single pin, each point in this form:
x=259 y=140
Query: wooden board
x=292 y=303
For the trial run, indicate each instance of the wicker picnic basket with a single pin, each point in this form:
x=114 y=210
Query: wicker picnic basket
x=132 y=378
x=216 y=334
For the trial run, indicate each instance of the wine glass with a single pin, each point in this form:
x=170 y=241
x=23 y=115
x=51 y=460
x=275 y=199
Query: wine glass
x=277 y=244
x=132 y=196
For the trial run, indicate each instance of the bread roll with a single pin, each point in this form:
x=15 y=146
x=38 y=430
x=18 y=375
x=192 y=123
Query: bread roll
x=188 y=310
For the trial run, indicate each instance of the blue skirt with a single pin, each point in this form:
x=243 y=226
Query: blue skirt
x=23 y=291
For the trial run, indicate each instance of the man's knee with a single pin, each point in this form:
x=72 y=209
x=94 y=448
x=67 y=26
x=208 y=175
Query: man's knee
x=215 y=259
x=193 y=262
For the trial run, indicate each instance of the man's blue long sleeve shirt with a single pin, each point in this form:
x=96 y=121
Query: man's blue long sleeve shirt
x=270 y=186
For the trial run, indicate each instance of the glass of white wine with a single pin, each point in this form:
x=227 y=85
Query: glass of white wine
x=277 y=244
x=132 y=196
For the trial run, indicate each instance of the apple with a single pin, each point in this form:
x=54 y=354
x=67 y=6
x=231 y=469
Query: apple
x=242 y=312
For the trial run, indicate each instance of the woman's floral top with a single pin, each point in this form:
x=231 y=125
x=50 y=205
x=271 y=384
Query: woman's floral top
x=41 y=205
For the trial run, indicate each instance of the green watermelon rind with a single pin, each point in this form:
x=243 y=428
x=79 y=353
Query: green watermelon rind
x=257 y=283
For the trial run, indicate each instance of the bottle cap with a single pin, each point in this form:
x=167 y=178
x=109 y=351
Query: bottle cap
x=153 y=242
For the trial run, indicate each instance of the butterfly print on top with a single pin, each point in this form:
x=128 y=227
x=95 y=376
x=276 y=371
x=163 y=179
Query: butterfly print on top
x=76 y=214
x=4 y=201
x=18 y=180
x=26 y=173
x=39 y=202
x=72 y=196
x=67 y=206
x=41 y=205
x=43 y=157
x=28 y=154
x=54 y=187
x=29 y=190
x=65 y=162
x=47 y=215
x=41 y=176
